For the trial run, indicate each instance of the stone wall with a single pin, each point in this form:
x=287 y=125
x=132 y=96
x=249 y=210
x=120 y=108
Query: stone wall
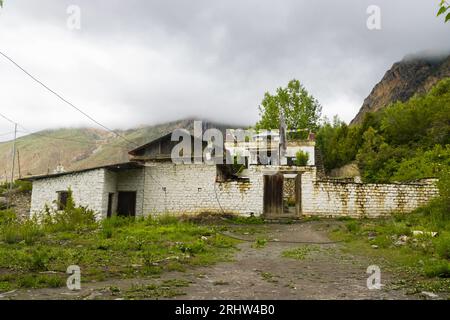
x=166 y=187
x=88 y=189
x=132 y=180
x=191 y=188
x=332 y=198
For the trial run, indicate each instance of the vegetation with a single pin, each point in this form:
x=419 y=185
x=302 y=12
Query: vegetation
x=301 y=110
x=20 y=186
x=443 y=8
x=416 y=244
x=402 y=142
x=301 y=158
x=36 y=254
x=299 y=253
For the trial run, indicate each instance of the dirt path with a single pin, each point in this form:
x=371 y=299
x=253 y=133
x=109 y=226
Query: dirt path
x=322 y=272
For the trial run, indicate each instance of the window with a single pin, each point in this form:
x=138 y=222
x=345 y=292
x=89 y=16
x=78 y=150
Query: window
x=62 y=199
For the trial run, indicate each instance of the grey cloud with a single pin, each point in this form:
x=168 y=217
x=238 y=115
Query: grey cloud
x=142 y=62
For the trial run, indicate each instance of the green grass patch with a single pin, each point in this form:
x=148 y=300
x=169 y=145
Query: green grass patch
x=37 y=255
x=299 y=253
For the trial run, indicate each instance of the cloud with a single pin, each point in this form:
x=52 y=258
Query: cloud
x=146 y=62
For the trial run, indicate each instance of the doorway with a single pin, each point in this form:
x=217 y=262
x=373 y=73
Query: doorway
x=110 y=204
x=126 y=204
x=282 y=195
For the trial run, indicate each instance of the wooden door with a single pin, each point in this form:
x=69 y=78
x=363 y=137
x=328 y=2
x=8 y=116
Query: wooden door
x=273 y=195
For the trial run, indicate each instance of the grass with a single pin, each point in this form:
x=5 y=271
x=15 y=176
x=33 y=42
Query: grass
x=269 y=277
x=36 y=255
x=421 y=259
x=299 y=253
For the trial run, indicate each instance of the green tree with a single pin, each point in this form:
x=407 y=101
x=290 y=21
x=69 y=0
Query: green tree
x=443 y=8
x=301 y=110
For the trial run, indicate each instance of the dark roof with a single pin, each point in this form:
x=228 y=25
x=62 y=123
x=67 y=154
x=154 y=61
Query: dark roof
x=113 y=167
x=135 y=151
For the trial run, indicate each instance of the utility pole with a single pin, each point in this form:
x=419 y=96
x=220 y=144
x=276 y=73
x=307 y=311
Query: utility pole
x=13 y=164
x=18 y=163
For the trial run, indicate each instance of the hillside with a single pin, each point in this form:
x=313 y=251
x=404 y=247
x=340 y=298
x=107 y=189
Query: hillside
x=406 y=78
x=76 y=148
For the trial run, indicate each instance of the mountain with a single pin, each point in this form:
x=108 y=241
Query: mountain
x=76 y=148
x=413 y=75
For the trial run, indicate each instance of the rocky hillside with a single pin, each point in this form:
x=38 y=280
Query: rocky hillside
x=42 y=152
x=406 y=78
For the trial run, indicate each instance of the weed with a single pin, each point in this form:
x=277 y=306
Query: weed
x=299 y=253
x=259 y=243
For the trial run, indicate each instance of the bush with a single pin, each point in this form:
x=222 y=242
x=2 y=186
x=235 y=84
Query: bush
x=352 y=226
x=301 y=158
x=70 y=219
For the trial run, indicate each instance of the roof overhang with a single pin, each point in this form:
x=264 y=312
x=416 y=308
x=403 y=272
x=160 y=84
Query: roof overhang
x=112 y=167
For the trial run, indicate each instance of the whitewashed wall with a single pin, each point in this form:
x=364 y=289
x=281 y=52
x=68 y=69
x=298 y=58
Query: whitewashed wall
x=190 y=189
x=333 y=199
x=87 y=187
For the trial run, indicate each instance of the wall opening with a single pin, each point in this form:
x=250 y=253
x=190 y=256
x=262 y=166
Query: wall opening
x=110 y=204
x=126 y=204
x=63 y=196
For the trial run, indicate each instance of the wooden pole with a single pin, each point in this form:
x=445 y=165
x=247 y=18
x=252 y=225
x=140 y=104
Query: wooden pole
x=18 y=163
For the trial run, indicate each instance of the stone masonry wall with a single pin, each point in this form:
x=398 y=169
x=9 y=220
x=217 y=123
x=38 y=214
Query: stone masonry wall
x=132 y=180
x=87 y=190
x=333 y=198
x=191 y=188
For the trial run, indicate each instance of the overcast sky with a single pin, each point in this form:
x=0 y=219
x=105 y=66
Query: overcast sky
x=145 y=62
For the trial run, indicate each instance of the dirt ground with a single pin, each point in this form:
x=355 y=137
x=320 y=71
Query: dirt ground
x=325 y=272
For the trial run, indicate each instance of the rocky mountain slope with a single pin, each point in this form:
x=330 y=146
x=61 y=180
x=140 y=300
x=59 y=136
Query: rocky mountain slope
x=413 y=75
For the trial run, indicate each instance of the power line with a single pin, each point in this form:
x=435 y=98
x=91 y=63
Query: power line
x=6 y=118
x=63 y=99
x=51 y=137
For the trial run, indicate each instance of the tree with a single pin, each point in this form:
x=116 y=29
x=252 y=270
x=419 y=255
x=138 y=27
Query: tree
x=1 y=3
x=443 y=8
x=301 y=110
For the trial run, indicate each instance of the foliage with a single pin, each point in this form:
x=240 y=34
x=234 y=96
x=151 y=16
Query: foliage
x=338 y=143
x=18 y=185
x=301 y=158
x=301 y=110
x=443 y=8
x=134 y=247
x=7 y=217
x=405 y=141
x=299 y=253
x=72 y=218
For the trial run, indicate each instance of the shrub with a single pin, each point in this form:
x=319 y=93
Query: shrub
x=352 y=226
x=301 y=158
x=72 y=218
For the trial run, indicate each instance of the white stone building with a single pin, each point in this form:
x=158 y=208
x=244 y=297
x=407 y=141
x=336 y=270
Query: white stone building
x=150 y=183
